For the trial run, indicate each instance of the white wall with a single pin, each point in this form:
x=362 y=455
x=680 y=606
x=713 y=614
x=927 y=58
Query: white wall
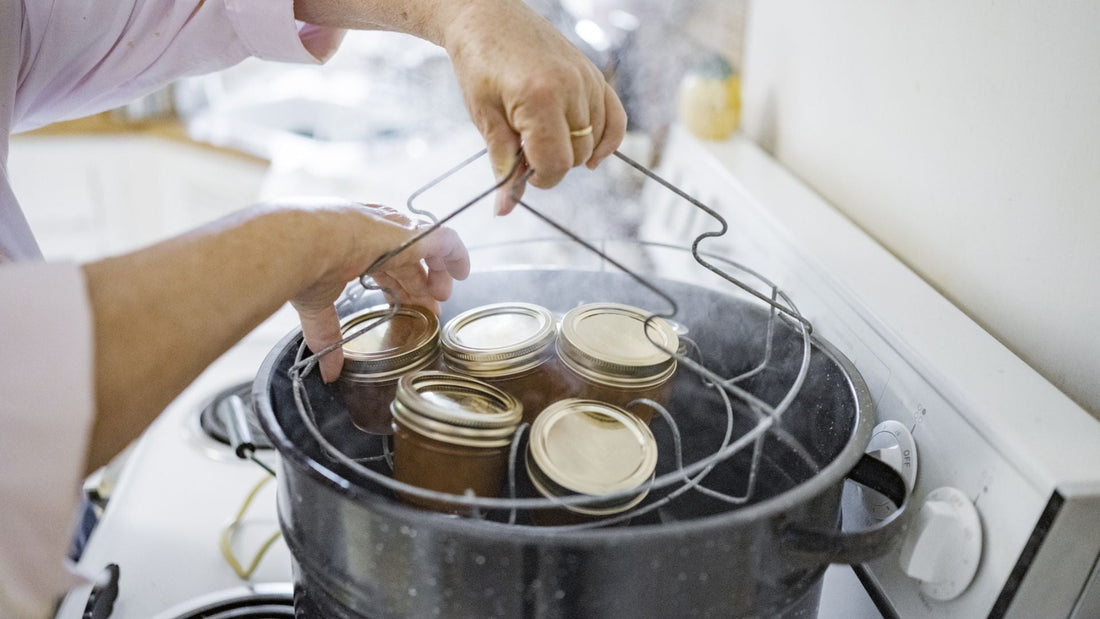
x=965 y=137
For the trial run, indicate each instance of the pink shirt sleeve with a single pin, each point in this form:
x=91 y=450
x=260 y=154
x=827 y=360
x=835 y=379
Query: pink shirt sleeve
x=64 y=59
x=83 y=57
x=45 y=417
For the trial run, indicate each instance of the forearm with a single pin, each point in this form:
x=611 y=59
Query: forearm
x=423 y=18
x=162 y=314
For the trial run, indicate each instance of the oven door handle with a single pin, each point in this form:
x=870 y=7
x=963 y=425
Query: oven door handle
x=819 y=546
x=101 y=601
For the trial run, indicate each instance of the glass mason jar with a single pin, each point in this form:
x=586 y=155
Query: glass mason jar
x=510 y=346
x=590 y=448
x=613 y=357
x=374 y=361
x=452 y=433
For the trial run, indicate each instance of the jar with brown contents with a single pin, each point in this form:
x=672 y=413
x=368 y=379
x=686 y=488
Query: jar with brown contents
x=452 y=433
x=374 y=361
x=613 y=355
x=510 y=346
x=591 y=448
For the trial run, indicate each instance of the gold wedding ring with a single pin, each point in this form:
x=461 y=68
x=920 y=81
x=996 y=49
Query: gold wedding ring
x=580 y=133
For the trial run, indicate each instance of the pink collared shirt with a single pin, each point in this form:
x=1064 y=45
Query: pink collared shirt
x=62 y=59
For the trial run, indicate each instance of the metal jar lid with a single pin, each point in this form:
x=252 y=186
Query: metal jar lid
x=405 y=342
x=610 y=343
x=456 y=409
x=499 y=339
x=590 y=447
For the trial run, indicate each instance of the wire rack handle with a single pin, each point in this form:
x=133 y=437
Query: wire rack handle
x=687 y=475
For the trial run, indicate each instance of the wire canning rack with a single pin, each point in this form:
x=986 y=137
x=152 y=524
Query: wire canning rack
x=684 y=476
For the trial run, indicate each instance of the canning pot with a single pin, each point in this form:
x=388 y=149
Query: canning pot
x=358 y=552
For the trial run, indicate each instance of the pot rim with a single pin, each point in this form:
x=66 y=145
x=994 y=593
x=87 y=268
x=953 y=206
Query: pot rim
x=832 y=473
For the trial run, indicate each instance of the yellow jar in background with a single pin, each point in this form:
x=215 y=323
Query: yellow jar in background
x=710 y=99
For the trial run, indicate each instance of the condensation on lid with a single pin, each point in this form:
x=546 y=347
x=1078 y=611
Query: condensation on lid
x=592 y=448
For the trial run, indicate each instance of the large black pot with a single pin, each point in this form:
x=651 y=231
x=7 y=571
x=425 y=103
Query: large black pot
x=360 y=553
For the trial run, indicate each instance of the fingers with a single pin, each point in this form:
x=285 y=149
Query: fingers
x=440 y=283
x=614 y=128
x=424 y=273
x=503 y=144
x=543 y=119
x=524 y=83
x=321 y=329
x=566 y=125
x=597 y=112
x=407 y=288
x=579 y=121
x=445 y=248
x=443 y=252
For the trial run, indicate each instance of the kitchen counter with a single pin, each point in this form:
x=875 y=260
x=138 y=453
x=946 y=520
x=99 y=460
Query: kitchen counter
x=111 y=124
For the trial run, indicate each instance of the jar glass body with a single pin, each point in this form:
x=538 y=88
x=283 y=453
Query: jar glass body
x=510 y=346
x=407 y=341
x=433 y=464
x=368 y=400
x=535 y=388
x=452 y=434
x=618 y=353
x=587 y=388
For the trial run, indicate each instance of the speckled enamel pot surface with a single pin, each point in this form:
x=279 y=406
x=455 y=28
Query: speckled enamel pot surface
x=359 y=552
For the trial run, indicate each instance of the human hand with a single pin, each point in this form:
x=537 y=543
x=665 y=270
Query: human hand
x=356 y=236
x=524 y=83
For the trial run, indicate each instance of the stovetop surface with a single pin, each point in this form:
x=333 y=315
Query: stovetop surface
x=178 y=489
x=263 y=601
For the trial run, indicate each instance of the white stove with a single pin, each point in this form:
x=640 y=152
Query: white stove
x=177 y=491
x=1005 y=469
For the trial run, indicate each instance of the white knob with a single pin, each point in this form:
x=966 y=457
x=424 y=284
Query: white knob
x=892 y=443
x=944 y=544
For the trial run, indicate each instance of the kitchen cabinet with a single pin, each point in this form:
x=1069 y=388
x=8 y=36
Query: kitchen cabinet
x=92 y=194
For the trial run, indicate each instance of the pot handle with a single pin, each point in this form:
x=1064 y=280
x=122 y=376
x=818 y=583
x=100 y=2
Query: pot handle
x=854 y=547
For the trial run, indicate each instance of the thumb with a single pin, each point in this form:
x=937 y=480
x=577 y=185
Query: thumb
x=321 y=329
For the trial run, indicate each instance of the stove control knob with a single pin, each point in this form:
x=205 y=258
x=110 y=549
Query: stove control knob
x=944 y=544
x=892 y=443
